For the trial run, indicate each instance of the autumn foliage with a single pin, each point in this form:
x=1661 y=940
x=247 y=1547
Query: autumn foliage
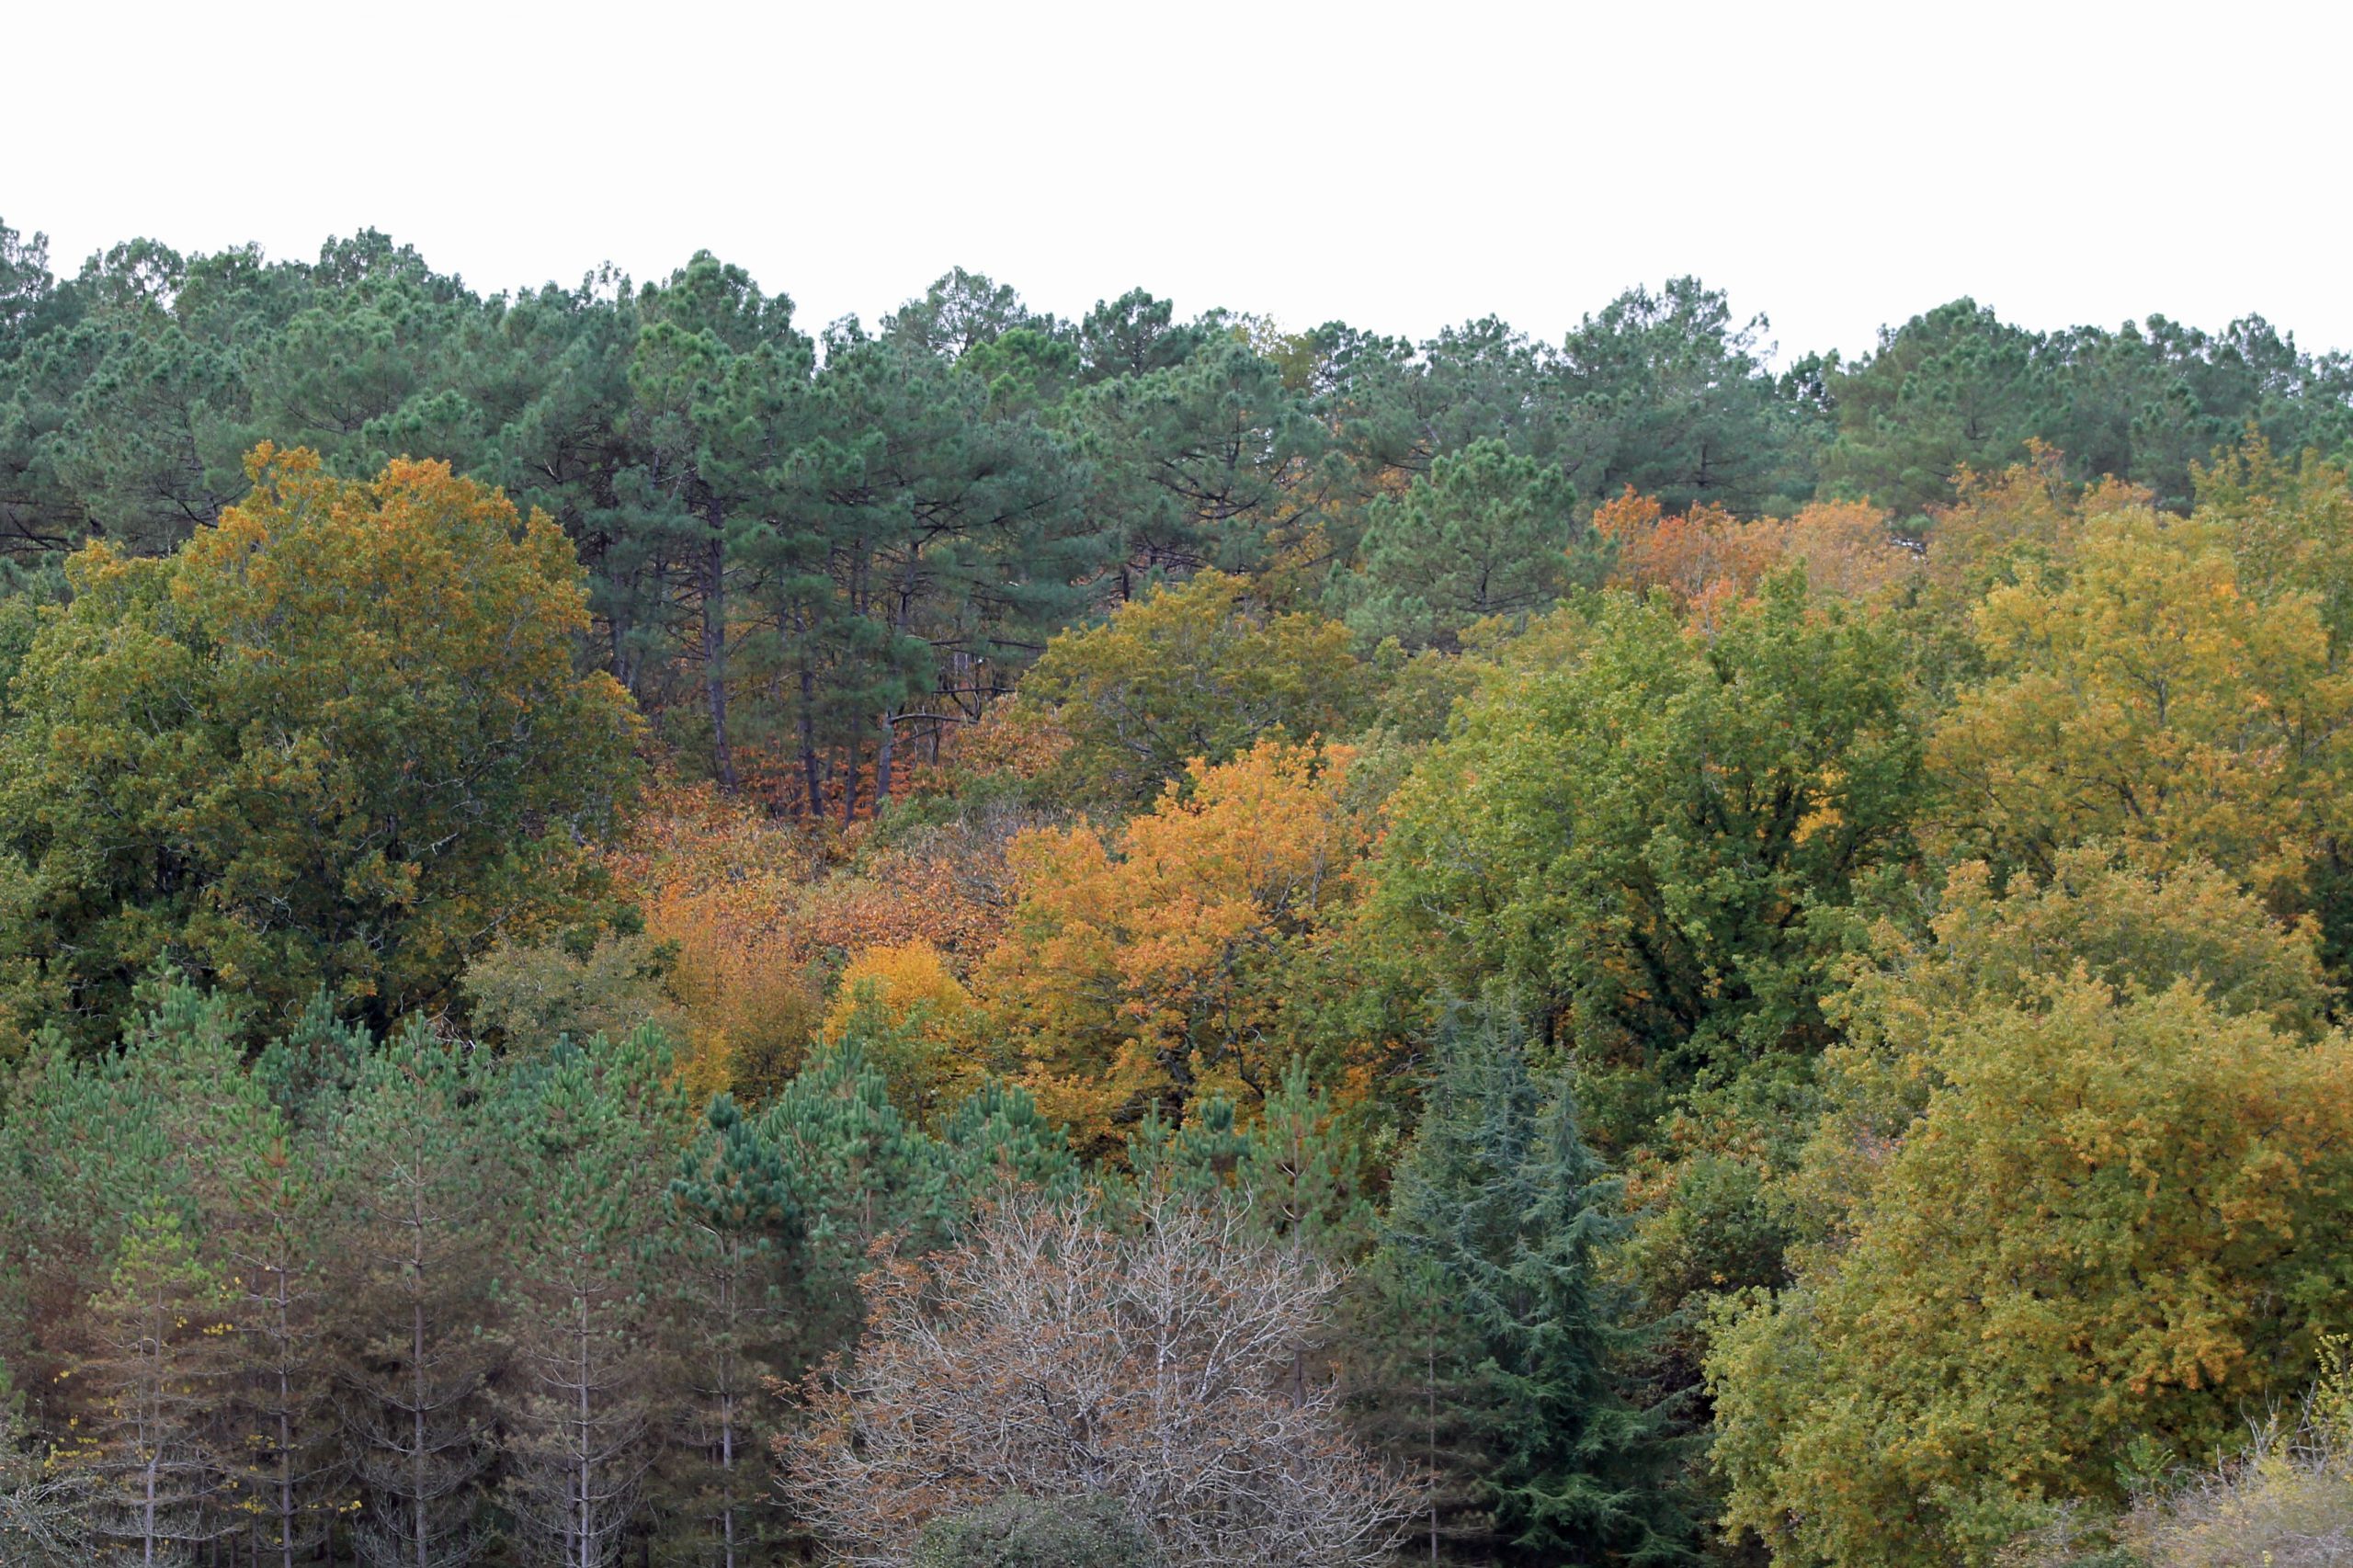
x=1143 y=966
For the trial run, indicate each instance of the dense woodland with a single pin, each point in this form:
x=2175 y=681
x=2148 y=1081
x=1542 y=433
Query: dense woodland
x=633 y=935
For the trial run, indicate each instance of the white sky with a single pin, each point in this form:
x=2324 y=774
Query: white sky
x=1836 y=166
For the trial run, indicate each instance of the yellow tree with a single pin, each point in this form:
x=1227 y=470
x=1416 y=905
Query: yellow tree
x=2290 y=524
x=338 y=739
x=1200 y=670
x=1146 y=967
x=2146 y=698
x=2118 y=1219
x=914 y=1018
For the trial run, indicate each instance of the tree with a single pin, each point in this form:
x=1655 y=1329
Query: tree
x=1953 y=389
x=915 y=1018
x=337 y=740
x=262 y=1187
x=1051 y=1356
x=1710 y=561
x=716 y=379
x=2288 y=525
x=1646 y=841
x=1484 y=533
x=1198 y=462
x=954 y=545
x=1191 y=671
x=1148 y=968
x=2118 y=1218
x=593 y=1125
x=1662 y=392
x=1495 y=1264
x=735 y=1223
x=2146 y=697
x=857 y=1170
x=161 y=1483
x=417 y=1219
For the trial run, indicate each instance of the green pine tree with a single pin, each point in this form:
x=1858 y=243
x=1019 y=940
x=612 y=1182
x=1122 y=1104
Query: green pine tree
x=725 y=1259
x=1501 y=1207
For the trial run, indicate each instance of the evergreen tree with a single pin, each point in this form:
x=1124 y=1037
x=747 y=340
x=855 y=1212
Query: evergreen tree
x=997 y=1139
x=857 y=1170
x=734 y=1220
x=589 y=1127
x=161 y=1483
x=717 y=377
x=1484 y=533
x=253 y=1188
x=281 y=1399
x=1501 y=1208
x=416 y=1220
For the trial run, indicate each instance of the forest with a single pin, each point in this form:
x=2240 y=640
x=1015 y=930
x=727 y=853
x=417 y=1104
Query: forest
x=636 y=932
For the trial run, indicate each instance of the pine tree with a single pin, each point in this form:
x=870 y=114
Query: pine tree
x=997 y=1139
x=1502 y=1209
x=161 y=1482
x=281 y=1395
x=859 y=1172
x=413 y=1196
x=1486 y=533
x=252 y=1188
x=588 y=1130
x=734 y=1221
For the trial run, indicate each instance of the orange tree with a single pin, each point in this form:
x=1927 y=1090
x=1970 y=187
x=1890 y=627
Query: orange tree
x=722 y=887
x=1149 y=966
x=337 y=740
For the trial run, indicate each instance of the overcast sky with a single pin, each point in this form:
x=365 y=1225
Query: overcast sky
x=1401 y=168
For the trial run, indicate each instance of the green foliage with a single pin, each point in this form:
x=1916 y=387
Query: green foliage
x=528 y=997
x=1192 y=671
x=1651 y=840
x=1486 y=533
x=337 y=740
x=2115 y=1216
x=1503 y=1216
x=1662 y=392
x=1031 y=1532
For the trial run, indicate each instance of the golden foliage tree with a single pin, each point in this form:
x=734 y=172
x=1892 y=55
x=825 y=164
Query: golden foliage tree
x=1145 y=966
x=337 y=740
x=2118 y=1216
x=2146 y=698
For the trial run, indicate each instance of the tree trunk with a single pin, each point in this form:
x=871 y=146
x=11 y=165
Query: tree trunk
x=849 y=785
x=883 y=757
x=416 y=1415
x=812 y=779
x=714 y=641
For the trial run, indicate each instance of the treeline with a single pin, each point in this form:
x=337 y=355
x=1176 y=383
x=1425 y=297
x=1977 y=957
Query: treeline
x=625 y=937
x=808 y=553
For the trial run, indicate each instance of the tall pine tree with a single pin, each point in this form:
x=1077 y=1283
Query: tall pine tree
x=1491 y=1266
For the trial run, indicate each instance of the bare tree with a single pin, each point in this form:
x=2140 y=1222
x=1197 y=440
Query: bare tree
x=1055 y=1355
x=44 y=1507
